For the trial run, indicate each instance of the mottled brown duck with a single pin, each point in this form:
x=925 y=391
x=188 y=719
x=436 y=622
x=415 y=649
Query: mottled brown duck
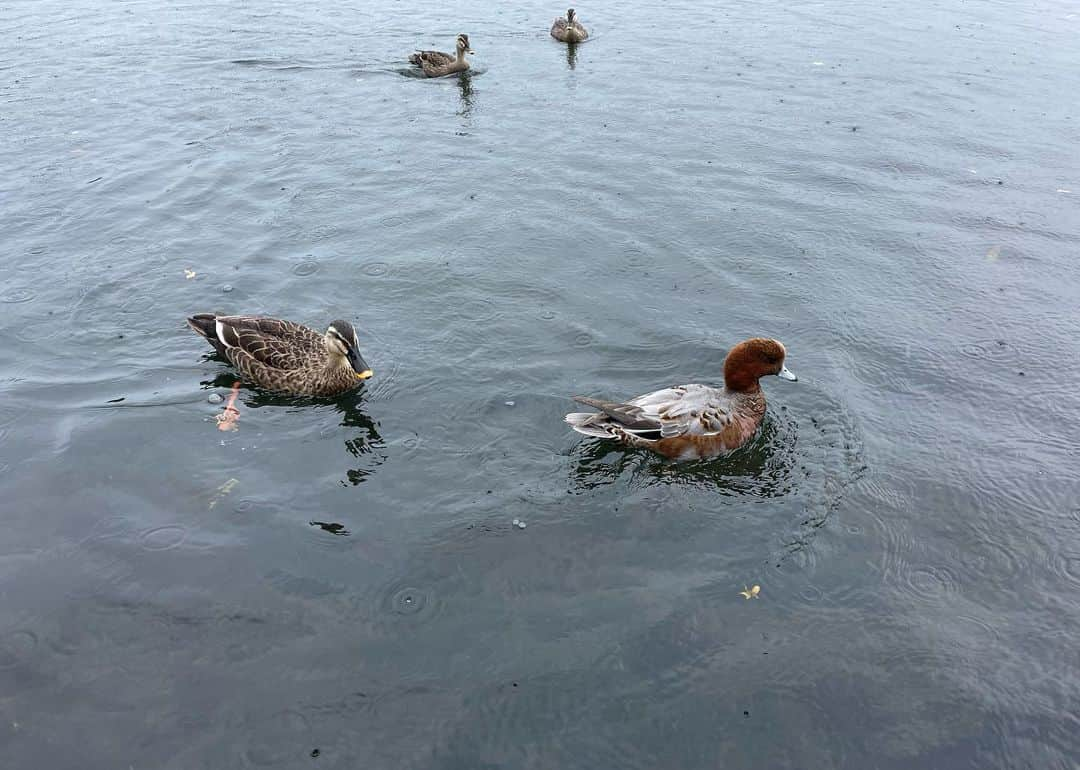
x=436 y=63
x=569 y=29
x=285 y=356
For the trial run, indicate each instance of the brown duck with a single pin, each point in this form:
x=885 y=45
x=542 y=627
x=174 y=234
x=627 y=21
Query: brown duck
x=436 y=63
x=285 y=356
x=569 y=30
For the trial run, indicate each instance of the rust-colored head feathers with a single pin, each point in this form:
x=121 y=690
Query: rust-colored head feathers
x=751 y=359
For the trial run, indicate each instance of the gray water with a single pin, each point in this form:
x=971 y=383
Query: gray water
x=889 y=188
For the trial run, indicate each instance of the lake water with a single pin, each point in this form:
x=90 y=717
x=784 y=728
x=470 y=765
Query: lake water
x=890 y=188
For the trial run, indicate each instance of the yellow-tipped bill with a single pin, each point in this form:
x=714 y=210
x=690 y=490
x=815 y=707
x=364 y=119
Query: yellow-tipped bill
x=364 y=374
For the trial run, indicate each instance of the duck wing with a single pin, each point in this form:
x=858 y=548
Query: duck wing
x=432 y=58
x=269 y=341
x=697 y=410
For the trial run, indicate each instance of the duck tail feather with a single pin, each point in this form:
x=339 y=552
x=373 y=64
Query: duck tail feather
x=585 y=423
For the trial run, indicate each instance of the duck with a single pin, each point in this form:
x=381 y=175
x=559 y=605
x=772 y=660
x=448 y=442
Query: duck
x=569 y=30
x=692 y=422
x=435 y=64
x=286 y=356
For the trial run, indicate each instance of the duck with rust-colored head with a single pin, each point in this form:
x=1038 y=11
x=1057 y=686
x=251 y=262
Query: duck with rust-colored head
x=692 y=422
x=285 y=356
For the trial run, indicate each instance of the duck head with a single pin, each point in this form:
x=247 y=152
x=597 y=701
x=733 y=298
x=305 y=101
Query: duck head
x=752 y=359
x=571 y=14
x=463 y=46
x=342 y=343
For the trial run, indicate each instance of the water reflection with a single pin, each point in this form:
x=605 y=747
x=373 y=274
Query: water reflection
x=366 y=444
x=571 y=55
x=362 y=439
x=465 y=85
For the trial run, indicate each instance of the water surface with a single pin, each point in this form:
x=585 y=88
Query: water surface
x=889 y=189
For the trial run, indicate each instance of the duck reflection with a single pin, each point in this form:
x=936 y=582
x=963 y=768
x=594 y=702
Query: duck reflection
x=466 y=87
x=363 y=443
x=571 y=55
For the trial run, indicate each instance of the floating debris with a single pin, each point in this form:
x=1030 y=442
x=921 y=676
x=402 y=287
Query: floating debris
x=228 y=418
x=519 y=524
x=227 y=288
x=508 y=403
x=222 y=491
x=750 y=593
x=215 y=398
x=332 y=527
x=189 y=274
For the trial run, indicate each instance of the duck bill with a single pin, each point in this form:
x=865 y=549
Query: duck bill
x=359 y=365
x=787 y=374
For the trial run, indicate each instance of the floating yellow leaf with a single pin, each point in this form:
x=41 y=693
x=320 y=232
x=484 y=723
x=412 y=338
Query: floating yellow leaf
x=223 y=490
x=189 y=274
x=750 y=593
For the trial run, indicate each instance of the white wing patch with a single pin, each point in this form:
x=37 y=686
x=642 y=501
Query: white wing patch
x=219 y=330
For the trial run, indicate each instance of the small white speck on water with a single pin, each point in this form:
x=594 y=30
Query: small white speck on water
x=516 y=522
x=520 y=524
x=509 y=403
x=227 y=288
x=215 y=398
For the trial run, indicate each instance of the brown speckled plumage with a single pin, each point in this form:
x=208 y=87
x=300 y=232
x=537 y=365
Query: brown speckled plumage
x=690 y=422
x=569 y=29
x=286 y=356
x=436 y=63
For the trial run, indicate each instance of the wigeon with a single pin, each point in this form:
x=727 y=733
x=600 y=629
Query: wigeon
x=692 y=422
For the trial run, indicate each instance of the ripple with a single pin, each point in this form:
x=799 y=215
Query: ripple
x=403 y=602
x=974 y=634
x=996 y=350
x=1067 y=566
x=8 y=415
x=17 y=647
x=547 y=315
x=986 y=560
x=393 y=220
x=478 y=310
x=375 y=269
x=636 y=256
x=929 y=584
x=583 y=340
x=164 y=538
x=408 y=601
x=306 y=267
x=381 y=386
x=322 y=232
x=17 y=295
